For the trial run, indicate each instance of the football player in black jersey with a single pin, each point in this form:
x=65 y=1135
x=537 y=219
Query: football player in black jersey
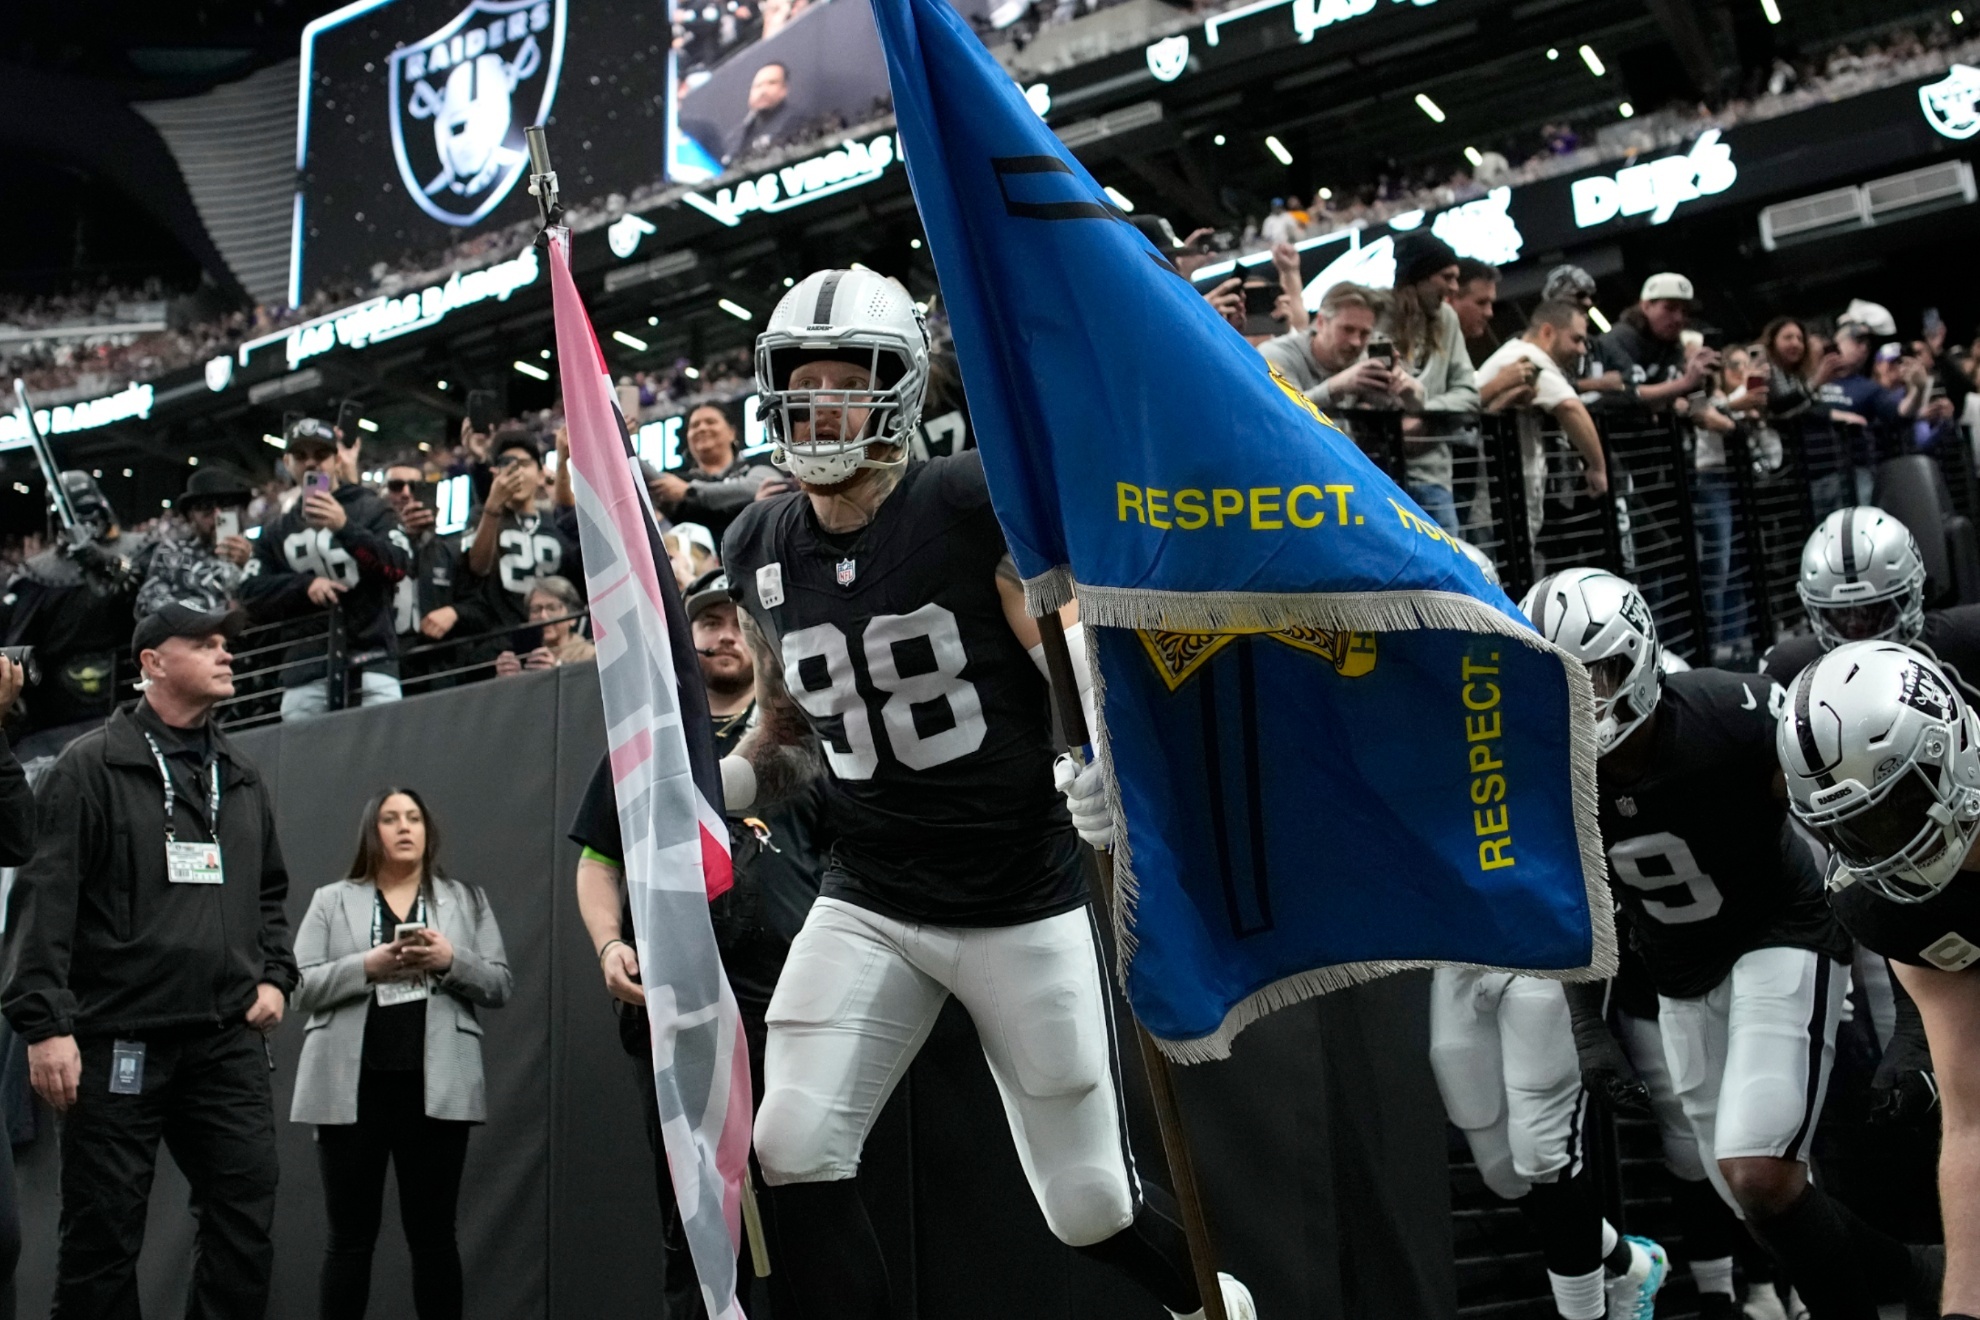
x=1882 y=757
x=340 y=544
x=890 y=633
x=1725 y=906
x=1862 y=579
x=511 y=546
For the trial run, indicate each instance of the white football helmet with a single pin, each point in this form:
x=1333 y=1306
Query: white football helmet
x=1862 y=579
x=1882 y=760
x=1603 y=621
x=854 y=316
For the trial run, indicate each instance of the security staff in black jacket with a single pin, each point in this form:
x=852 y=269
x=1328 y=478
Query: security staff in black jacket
x=146 y=952
x=16 y=847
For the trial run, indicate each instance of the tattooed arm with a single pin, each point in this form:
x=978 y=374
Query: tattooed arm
x=779 y=755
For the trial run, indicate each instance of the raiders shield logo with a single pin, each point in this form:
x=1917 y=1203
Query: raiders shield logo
x=462 y=97
x=1952 y=104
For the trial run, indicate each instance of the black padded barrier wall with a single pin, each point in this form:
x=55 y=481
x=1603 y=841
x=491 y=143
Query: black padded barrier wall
x=1320 y=1142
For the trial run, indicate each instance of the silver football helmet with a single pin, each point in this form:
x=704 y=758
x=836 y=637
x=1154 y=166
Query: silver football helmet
x=1882 y=760
x=1603 y=621
x=1480 y=558
x=822 y=436
x=1862 y=579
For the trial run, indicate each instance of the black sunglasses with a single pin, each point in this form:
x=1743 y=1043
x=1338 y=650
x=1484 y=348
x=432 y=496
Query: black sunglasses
x=399 y=485
x=509 y=460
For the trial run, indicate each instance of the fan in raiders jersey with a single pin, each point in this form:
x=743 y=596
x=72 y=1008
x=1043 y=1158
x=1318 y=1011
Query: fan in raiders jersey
x=890 y=633
x=512 y=545
x=339 y=545
x=1862 y=579
x=1882 y=756
x=1725 y=906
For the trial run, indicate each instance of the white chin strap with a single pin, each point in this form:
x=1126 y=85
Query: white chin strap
x=831 y=469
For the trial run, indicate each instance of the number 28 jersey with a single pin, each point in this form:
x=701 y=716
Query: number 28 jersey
x=1701 y=855
x=933 y=719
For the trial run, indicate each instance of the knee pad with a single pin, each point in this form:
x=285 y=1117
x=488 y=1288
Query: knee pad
x=1087 y=1204
x=794 y=1140
x=1062 y=1049
x=1493 y=1159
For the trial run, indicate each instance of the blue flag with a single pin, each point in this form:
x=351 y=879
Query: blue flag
x=1335 y=750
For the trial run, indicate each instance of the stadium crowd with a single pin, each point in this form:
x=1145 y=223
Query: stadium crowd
x=70 y=369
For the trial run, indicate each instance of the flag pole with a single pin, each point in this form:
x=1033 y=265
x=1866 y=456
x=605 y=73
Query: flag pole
x=1161 y=1083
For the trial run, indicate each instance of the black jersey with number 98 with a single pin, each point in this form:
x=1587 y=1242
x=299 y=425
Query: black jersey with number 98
x=1701 y=855
x=933 y=718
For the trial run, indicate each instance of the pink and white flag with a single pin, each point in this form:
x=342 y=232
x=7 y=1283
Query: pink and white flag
x=669 y=797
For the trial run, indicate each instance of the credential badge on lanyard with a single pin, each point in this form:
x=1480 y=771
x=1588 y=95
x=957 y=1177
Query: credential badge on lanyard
x=190 y=863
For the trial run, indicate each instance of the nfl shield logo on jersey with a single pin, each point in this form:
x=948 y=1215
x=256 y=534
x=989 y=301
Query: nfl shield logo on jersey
x=461 y=97
x=848 y=570
x=1626 y=806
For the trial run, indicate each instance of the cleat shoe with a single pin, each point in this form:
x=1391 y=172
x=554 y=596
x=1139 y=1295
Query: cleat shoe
x=1633 y=1293
x=1237 y=1302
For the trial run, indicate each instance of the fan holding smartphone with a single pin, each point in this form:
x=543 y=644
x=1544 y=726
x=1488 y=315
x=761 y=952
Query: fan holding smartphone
x=205 y=563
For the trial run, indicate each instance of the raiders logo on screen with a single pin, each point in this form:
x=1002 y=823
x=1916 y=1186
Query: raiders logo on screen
x=461 y=97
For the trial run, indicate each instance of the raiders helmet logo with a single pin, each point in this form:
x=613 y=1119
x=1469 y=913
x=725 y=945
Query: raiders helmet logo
x=461 y=98
x=1952 y=105
x=1925 y=692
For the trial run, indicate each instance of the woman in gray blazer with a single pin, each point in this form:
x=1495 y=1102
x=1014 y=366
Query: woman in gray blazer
x=394 y=961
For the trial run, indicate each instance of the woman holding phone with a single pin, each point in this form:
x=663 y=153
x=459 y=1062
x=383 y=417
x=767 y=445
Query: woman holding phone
x=394 y=962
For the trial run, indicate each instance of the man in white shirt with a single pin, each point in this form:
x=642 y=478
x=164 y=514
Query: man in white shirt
x=1555 y=339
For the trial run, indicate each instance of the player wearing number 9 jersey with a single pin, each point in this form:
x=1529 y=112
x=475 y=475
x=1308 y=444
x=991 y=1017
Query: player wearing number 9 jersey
x=888 y=638
x=1726 y=907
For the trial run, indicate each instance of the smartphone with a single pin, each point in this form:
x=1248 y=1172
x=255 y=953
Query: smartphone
x=348 y=413
x=407 y=928
x=1383 y=349
x=524 y=640
x=1260 y=299
x=1756 y=383
x=227 y=522
x=484 y=410
x=318 y=483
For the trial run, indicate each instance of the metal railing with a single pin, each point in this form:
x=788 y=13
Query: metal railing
x=264 y=653
x=1715 y=548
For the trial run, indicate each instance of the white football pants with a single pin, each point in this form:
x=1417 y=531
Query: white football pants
x=1750 y=1059
x=1502 y=1049
x=860 y=993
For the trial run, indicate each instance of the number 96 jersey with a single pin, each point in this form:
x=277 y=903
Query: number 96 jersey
x=1701 y=854
x=933 y=719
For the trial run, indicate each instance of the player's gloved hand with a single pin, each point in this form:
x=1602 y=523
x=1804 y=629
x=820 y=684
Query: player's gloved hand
x=1085 y=788
x=1606 y=1071
x=1904 y=1092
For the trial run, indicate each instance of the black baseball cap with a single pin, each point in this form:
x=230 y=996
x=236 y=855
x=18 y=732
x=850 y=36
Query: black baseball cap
x=710 y=589
x=309 y=431
x=177 y=618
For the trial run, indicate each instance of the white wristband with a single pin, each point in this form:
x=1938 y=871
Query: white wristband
x=738 y=784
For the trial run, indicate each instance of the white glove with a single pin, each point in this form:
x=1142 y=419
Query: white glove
x=1085 y=788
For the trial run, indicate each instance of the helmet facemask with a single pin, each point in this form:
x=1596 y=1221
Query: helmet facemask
x=1627 y=688
x=1896 y=617
x=1910 y=834
x=838 y=425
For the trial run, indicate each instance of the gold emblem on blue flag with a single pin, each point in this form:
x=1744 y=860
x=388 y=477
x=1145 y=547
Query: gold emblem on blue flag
x=1178 y=655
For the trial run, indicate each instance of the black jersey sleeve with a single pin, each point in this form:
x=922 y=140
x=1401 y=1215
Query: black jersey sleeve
x=1942 y=932
x=271 y=589
x=596 y=825
x=373 y=536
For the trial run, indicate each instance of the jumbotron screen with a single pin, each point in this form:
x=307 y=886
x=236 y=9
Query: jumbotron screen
x=411 y=123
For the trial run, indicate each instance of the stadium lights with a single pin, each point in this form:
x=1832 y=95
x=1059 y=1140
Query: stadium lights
x=1326 y=194
x=531 y=370
x=1118 y=198
x=1430 y=107
x=1772 y=11
x=1958 y=18
x=544 y=354
x=692 y=373
x=636 y=345
x=788 y=281
x=275 y=440
x=653 y=320
x=192 y=460
x=1601 y=321
x=441 y=383
x=1278 y=148
x=1471 y=154
x=1626 y=110
x=1553 y=52
x=1593 y=61
x=22 y=487
x=425 y=448
x=366 y=424
x=127 y=472
x=164 y=504
x=915 y=243
x=1219 y=139
x=740 y=313
x=97 y=473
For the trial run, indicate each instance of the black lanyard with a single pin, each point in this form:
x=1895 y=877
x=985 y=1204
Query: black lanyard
x=378 y=908
x=172 y=798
